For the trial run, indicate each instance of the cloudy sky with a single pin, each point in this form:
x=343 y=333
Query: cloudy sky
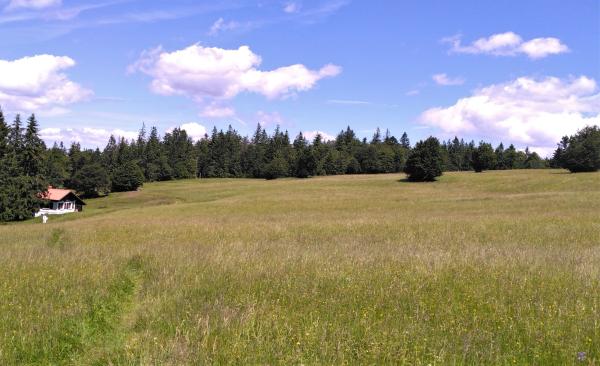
x=522 y=72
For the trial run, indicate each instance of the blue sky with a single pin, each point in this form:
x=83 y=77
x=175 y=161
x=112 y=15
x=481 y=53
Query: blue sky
x=524 y=72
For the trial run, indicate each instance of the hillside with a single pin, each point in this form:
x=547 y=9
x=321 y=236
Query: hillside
x=493 y=268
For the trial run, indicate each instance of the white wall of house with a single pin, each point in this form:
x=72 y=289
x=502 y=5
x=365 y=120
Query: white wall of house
x=58 y=208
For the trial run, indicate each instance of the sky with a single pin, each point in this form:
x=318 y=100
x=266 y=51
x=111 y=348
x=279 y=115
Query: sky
x=521 y=72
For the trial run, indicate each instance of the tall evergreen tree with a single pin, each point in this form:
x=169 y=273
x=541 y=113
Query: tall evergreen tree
x=404 y=141
x=33 y=150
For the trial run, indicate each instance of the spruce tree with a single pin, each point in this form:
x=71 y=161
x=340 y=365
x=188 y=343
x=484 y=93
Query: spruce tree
x=33 y=150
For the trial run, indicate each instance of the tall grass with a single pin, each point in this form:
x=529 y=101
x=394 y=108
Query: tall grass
x=496 y=268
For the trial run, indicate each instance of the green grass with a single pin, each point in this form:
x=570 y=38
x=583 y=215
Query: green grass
x=492 y=268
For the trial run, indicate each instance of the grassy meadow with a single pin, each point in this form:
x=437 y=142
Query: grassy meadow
x=494 y=268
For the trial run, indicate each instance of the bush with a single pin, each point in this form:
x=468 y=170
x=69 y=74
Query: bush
x=127 y=177
x=582 y=153
x=425 y=161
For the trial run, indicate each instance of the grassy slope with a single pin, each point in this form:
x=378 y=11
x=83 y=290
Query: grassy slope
x=500 y=267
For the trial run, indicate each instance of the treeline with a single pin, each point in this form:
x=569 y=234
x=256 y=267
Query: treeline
x=124 y=165
x=27 y=166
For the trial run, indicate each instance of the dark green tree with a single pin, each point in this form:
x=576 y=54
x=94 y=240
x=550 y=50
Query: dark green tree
x=483 y=157
x=57 y=165
x=33 y=150
x=277 y=168
x=92 y=180
x=127 y=177
x=583 y=151
x=425 y=161
x=4 y=131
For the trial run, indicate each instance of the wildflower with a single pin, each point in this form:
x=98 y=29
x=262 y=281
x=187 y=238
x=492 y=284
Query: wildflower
x=581 y=356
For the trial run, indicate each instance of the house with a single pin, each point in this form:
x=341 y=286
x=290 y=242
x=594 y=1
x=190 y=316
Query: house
x=59 y=202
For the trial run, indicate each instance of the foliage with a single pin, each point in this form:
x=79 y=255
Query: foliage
x=425 y=162
x=127 y=177
x=22 y=180
x=92 y=180
x=484 y=157
x=582 y=151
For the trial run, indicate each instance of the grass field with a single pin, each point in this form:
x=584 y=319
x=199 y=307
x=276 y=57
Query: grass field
x=494 y=268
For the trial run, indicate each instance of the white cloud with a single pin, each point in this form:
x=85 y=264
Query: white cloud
x=87 y=136
x=509 y=44
x=221 y=25
x=291 y=7
x=213 y=110
x=36 y=84
x=202 y=73
x=32 y=4
x=412 y=93
x=443 y=79
x=194 y=130
x=310 y=135
x=525 y=111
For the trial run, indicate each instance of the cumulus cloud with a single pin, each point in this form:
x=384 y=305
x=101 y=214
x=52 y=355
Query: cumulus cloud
x=509 y=44
x=202 y=73
x=310 y=135
x=526 y=111
x=443 y=79
x=32 y=4
x=37 y=84
x=87 y=136
x=194 y=130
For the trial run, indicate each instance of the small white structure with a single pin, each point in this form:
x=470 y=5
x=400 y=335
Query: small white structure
x=60 y=202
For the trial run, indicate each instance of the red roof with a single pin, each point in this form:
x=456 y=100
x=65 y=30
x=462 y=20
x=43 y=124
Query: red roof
x=55 y=194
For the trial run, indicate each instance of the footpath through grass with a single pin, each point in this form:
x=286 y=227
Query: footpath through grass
x=495 y=268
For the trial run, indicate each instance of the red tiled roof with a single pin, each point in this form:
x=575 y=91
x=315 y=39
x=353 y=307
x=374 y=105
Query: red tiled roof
x=55 y=194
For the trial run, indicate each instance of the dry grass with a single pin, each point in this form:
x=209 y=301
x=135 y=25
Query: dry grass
x=497 y=268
